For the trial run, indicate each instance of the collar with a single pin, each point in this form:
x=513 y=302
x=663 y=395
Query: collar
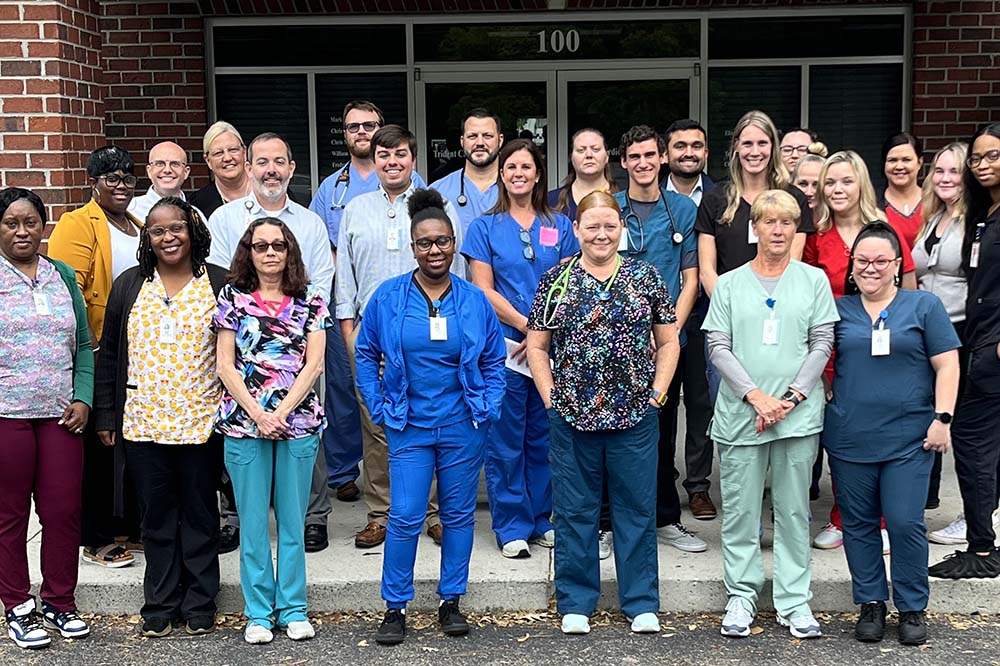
x=403 y=196
x=256 y=208
x=151 y=193
x=698 y=187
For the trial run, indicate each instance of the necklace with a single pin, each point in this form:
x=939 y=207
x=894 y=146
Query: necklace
x=124 y=228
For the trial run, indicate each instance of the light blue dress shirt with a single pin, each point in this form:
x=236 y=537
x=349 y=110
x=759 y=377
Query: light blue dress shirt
x=477 y=202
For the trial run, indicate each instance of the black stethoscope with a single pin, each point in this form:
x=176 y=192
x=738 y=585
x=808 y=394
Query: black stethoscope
x=345 y=178
x=640 y=247
x=462 y=200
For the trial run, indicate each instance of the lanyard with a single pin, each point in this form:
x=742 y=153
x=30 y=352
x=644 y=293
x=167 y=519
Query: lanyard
x=879 y=323
x=770 y=305
x=433 y=305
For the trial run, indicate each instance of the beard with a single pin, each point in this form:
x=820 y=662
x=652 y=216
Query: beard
x=361 y=153
x=481 y=162
x=270 y=192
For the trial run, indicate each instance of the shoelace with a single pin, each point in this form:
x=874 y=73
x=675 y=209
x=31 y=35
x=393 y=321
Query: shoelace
x=683 y=530
x=910 y=618
x=30 y=622
x=868 y=612
x=66 y=617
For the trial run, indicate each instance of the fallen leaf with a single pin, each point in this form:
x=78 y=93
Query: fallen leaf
x=692 y=627
x=523 y=638
x=429 y=649
x=363 y=644
x=757 y=630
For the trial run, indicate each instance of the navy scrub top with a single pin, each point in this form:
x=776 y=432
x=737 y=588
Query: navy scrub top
x=883 y=405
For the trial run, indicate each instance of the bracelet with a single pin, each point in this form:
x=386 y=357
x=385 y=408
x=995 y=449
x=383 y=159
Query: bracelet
x=659 y=397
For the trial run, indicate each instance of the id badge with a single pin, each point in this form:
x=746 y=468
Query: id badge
x=392 y=239
x=880 y=342
x=168 y=330
x=751 y=236
x=771 y=331
x=623 y=241
x=42 y=305
x=548 y=236
x=935 y=253
x=439 y=328
x=974 y=255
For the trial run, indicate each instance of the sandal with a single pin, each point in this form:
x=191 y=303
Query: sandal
x=131 y=546
x=111 y=556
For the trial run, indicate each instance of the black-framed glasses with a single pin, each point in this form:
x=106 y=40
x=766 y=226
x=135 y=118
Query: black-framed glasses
x=975 y=159
x=113 y=180
x=529 y=251
x=425 y=244
x=175 y=229
x=354 y=128
x=260 y=247
x=862 y=264
x=161 y=164
x=788 y=150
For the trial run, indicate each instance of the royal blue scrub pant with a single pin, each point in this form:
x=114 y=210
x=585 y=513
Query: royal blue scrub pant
x=896 y=489
x=256 y=466
x=455 y=454
x=518 y=478
x=580 y=461
x=342 y=436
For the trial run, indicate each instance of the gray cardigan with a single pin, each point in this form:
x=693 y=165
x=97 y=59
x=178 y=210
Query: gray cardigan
x=946 y=279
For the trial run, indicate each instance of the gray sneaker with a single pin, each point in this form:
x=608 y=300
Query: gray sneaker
x=605 y=544
x=681 y=538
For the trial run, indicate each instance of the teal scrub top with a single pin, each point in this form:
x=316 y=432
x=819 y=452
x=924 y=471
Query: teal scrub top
x=802 y=299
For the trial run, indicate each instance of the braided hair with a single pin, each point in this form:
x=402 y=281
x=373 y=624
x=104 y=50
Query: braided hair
x=198 y=234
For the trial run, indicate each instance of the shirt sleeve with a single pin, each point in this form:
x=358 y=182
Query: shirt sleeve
x=810 y=253
x=661 y=304
x=939 y=332
x=820 y=347
x=908 y=265
x=707 y=217
x=687 y=217
x=719 y=317
x=347 y=285
x=720 y=353
x=477 y=244
x=226 y=317
x=320 y=205
x=458 y=264
x=318 y=318
x=219 y=253
x=322 y=260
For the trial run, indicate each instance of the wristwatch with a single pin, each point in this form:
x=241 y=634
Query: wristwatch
x=943 y=417
x=659 y=397
x=791 y=397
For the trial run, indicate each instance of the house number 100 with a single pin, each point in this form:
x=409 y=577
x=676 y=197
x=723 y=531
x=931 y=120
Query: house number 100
x=557 y=41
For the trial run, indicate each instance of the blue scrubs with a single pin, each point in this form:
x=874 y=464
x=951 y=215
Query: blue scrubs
x=874 y=432
x=569 y=210
x=439 y=437
x=477 y=203
x=517 y=467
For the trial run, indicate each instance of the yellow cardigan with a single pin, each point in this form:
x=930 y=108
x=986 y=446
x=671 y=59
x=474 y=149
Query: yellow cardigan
x=82 y=239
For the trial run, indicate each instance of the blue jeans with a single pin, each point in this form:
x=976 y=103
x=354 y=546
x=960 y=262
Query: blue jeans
x=580 y=461
x=455 y=454
x=256 y=466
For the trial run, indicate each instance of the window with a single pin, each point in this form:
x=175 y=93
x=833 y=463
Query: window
x=309 y=45
x=805 y=37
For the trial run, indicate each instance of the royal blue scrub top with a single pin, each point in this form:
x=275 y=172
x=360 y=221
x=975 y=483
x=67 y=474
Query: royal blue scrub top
x=883 y=405
x=570 y=203
x=435 y=395
x=477 y=202
x=495 y=240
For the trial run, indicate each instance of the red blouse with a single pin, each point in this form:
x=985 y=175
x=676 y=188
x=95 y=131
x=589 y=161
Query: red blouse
x=905 y=225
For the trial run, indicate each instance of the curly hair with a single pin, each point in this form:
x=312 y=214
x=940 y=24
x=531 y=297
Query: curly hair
x=198 y=233
x=243 y=274
x=427 y=205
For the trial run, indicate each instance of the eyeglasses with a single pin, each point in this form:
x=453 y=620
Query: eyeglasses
x=990 y=156
x=113 y=180
x=175 y=229
x=354 y=128
x=529 y=252
x=174 y=164
x=425 y=244
x=880 y=264
x=260 y=247
x=788 y=150
x=232 y=152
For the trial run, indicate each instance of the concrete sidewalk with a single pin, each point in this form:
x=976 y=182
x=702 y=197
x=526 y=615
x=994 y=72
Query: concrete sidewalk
x=343 y=578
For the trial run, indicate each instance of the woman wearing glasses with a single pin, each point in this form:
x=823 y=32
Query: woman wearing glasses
x=900 y=343
x=156 y=395
x=443 y=354
x=226 y=156
x=508 y=250
x=100 y=241
x=272 y=326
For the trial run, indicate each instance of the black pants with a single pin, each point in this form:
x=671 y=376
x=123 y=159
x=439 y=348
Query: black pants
x=976 y=438
x=698 y=446
x=933 y=492
x=180 y=526
x=99 y=524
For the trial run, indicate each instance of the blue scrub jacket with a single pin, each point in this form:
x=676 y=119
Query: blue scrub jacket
x=483 y=353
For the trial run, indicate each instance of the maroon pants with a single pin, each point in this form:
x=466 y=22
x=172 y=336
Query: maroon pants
x=39 y=457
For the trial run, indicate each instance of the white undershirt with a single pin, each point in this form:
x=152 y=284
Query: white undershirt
x=124 y=251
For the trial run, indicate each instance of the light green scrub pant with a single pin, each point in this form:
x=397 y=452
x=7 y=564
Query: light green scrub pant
x=742 y=470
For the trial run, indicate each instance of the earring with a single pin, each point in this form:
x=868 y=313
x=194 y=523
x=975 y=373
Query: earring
x=95 y=194
x=850 y=278
x=896 y=280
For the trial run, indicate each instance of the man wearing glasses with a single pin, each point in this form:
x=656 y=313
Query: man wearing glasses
x=373 y=245
x=795 y=144
x=167 y=170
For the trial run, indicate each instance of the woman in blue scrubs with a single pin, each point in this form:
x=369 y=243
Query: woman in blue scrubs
x=508 y=250
x=440 y=344
x=900 y=343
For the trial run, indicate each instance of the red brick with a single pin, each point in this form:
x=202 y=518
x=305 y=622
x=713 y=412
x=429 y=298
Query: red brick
x=976 y=34
x=974 y=88
x=24 y=178
x=44 y=49
x=941 y=116
x=22 y=105
x=942 y=88
x=963 y=75
x=963 y=47
x=943 y=34
x=11 y=50
x=24 y=142
x=930 y=48
x=12 y=160
x=42 y=86
x=20 y=30
x=976 y=61
x=46 y=124
x=46 y=160
x=11 y=87
x=943 y=61
x=925 y=75
x=960 y=130
x=21 y=68
x=9 y=13
x=963 y=19
x=161 y=37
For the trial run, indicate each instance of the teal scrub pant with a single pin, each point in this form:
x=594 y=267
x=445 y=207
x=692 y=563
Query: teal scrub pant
x=742 y=471
x=255 y=467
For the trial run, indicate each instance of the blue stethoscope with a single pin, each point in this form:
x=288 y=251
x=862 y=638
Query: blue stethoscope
x=640 y=247
x=345 y=178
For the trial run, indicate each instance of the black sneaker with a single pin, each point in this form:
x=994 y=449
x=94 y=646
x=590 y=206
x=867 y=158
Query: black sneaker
x=157 y=627
x=67 y=623
x=24 y=626
x=871 y=623
x=912 y=628
x=229 y=539
x=198 y=625
x=392 y=631
x=963 y=564
x=452 y=621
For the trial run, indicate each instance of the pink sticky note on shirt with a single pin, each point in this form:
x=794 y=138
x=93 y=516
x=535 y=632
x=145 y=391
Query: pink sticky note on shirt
x=549 y=236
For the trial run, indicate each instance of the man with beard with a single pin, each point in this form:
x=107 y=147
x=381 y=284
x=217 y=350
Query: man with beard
x=687 y=154
x=270 y=168
x=473 y=188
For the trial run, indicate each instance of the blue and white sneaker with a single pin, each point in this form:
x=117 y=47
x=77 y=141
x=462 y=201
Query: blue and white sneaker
x=67 y=623
x=24 y=626
x=803 y=625
x=736 y=623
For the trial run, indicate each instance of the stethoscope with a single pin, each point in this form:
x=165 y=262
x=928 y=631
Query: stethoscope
x=345 y=178
x=560 y=288
x=462 y=200
x=640 y=247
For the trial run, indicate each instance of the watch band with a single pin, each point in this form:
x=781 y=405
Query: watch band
x=659 y=397
x=791 y=397
x=943 y=417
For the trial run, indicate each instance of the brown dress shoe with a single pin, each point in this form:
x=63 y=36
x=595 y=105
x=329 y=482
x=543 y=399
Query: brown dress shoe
x=348 y=492
x=373 y=535
x=701 y=506
x=435 y=532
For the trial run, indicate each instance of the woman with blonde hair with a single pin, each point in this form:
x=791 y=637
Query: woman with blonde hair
x=805 y=176
x=589 y=171
x=225 y=153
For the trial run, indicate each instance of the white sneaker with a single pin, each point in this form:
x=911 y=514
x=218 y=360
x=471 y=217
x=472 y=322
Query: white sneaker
x=738 y=619
x=516 y=549
x=300 y=631
x=828 y=538
x=574 y=623
x=803 y=625
x=886 y=549
x=547 y=540
x=605 y=544
x=950 y=535
x=681 y=538
x=257 y=634
x=646 y=623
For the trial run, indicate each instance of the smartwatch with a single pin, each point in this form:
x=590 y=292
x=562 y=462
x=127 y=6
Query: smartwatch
x=659 y=397
x=943 y=417
x=791 y=397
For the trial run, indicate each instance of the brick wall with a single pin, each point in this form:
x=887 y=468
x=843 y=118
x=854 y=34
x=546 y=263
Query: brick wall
x=956 y=68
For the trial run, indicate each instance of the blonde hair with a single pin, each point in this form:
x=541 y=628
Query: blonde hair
x=597 y=199
x=933 y=205
x=870 y=212
x=776 y=201
x=811 y=158
x=217 y=129
x=777 y=177
x=817 y=148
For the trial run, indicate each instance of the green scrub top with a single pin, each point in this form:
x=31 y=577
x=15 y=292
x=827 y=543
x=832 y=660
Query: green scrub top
x=802 y=299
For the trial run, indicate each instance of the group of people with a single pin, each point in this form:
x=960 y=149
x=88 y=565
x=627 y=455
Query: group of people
x=485 y=324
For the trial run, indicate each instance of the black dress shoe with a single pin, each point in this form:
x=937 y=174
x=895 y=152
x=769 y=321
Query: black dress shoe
x=871 y=624
x=912 y=628
x=316 y=538
x=229 y=539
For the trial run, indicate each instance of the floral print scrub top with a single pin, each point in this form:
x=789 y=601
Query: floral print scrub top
x=602 y=362
x=270 y=354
